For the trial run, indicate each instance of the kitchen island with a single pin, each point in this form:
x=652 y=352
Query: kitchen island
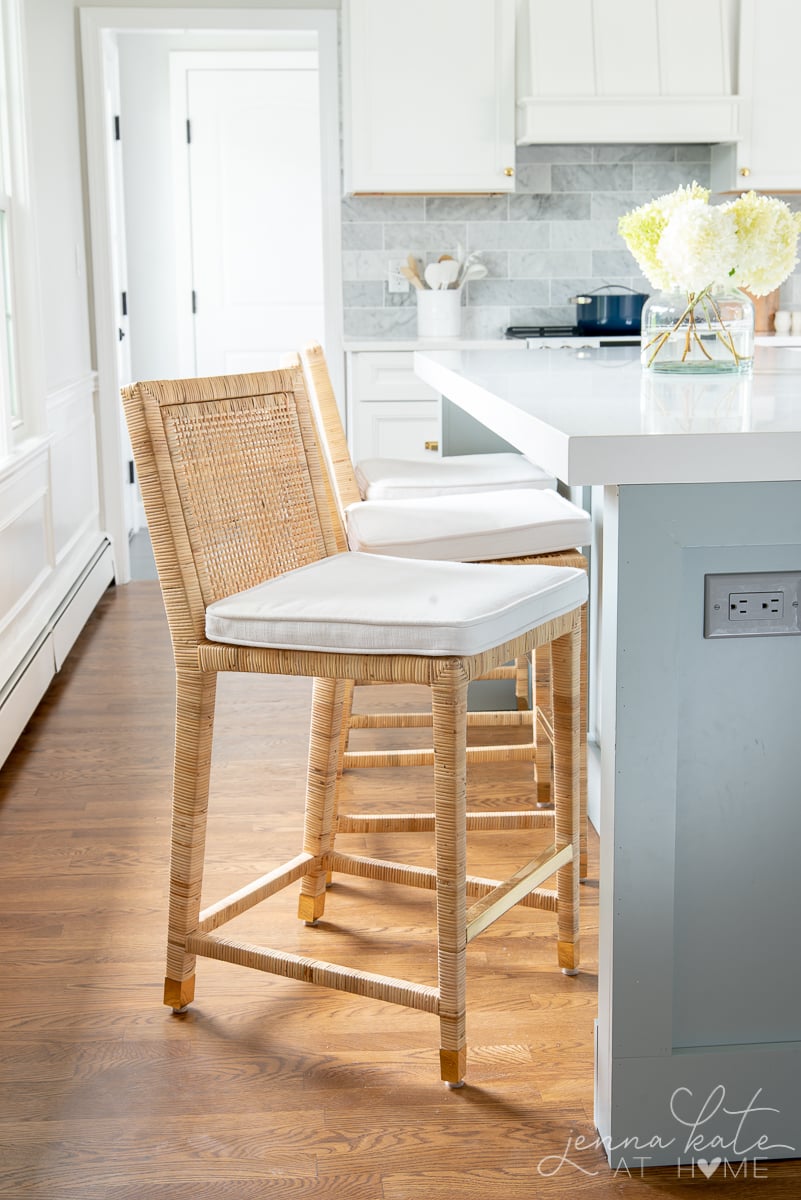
x=697 y=685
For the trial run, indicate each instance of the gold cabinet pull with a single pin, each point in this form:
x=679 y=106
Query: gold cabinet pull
x=432 y=445
x=509 y=171
x=745 y=171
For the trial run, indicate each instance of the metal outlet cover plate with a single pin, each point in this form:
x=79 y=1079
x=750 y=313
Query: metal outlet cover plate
x=752 y=604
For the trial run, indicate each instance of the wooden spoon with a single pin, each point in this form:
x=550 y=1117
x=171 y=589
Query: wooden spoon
x=414 y=279
x=414 y=267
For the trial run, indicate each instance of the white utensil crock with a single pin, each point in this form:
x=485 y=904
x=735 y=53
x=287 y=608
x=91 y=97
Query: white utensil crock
x=439 y=313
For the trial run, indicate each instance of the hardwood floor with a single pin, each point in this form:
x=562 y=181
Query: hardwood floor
x=265 y=1087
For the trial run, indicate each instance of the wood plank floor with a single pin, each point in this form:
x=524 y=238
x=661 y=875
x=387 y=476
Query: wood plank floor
x=266 y=1087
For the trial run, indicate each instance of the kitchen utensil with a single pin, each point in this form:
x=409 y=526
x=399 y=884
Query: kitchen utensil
x=603 y=311
x=476 y=270
x=413 y=278
x=467 y=264
x=414 y=267
x=438 y=275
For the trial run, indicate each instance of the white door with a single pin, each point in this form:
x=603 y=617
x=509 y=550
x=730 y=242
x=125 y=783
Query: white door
x=254 y=211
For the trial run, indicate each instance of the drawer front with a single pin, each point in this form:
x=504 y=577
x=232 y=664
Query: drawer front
x=386 y=376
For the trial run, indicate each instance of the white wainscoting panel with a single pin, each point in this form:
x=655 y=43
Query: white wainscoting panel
x=73 y=465
x=23 y=535
x=56 y=561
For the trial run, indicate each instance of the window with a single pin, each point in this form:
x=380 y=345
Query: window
x=12 y=416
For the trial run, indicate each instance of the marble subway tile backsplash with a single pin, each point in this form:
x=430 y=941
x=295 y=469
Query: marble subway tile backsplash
x=555 y=236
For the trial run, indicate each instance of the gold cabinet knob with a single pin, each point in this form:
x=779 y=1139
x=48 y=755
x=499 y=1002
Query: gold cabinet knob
x=509 y=171
x=745 y=172
x=432 y=445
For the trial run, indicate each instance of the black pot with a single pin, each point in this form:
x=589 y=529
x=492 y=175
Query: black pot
x=603 y=311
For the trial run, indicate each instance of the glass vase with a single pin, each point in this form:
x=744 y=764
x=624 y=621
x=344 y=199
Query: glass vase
x=702 y=333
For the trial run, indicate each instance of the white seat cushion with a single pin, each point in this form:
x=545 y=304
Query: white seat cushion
x=399 y=479
x=365 y=604
x=477 y=528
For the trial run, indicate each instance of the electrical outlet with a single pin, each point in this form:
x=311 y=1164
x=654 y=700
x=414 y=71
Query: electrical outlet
x=756 y=606
x=752 y=604
x=395 y=281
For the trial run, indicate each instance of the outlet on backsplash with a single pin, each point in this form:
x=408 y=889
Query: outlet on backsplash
x=395 y=281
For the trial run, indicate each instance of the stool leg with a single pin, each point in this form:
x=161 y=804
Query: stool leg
x=565 y=660
x=522 y=682
x=542 y=742
x=321 y=785
x=194 y=724
x=543 y=751
x=344 y=735
x=583 y=700
x=449 y=704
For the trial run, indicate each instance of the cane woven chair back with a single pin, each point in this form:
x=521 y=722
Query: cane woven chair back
x=234 y=463
x=333 y=439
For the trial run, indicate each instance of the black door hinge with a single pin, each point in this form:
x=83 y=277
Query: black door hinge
x=131 y=473
x=194 y=301
x=125 y=304
x=188 y=130
x=116 y=129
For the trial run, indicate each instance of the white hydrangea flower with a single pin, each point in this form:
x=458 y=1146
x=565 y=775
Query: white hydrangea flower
x=681 y=241
x=767 y=237
x=698 y=246
x=642 y=228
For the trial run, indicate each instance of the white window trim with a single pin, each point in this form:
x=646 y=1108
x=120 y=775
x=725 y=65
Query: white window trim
x=30 y=431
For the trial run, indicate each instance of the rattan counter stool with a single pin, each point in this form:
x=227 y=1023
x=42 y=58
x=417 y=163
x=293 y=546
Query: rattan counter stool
x=513 y=527
x=241 y=524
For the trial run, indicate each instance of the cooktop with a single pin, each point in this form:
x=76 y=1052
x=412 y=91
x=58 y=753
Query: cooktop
x=545 y=331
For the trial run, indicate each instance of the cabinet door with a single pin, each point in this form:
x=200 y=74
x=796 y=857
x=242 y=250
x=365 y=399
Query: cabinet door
x=402 y=429
x=429 y=104
x=767 y=156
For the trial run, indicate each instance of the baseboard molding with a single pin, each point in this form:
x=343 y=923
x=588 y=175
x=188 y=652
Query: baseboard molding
x=28 y=684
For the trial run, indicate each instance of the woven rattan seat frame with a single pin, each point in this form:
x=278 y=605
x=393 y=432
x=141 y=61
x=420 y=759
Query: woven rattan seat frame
x=235 y=493
x=538 y=749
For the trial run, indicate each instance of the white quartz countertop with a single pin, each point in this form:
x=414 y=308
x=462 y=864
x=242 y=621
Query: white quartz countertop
x=596 y=417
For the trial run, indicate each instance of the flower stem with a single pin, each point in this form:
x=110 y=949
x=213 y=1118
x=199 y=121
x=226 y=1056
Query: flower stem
x=694 y=299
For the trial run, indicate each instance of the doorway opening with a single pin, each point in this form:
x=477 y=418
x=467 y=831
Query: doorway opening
x=214 y=186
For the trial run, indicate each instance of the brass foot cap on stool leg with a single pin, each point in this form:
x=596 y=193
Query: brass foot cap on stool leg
x=568 y=957
x=179 y=993
x=452 y=1067
x=311 y=908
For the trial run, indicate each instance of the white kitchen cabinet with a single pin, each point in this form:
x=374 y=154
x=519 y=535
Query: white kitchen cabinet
x=767 y=154
x=610 y=71
x=429 y=96
x=391 y=413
